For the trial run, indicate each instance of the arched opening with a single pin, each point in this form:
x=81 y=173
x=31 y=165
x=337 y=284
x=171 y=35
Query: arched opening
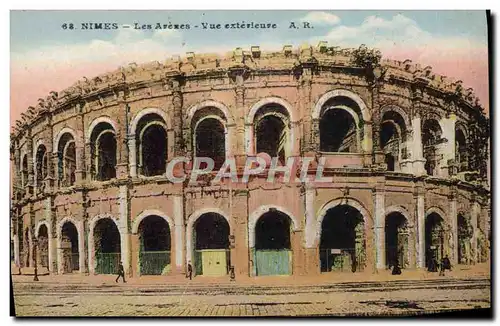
x=107 y=246
x=211 y=236
x=461 y=151
x=272 y=132
x=465 y=232
x=66 y=153
x=41 y=164
x=392 y=139
x=273 y=251
x=396 y=240
x=43 y=246
x=210 y=140
x=152 y=140
x=338 y=131
x=103 y=148
x=342 y=243
x=434 y=238
x=154 y=254
x=69 y=247
x=431 y=138
x=24 y=171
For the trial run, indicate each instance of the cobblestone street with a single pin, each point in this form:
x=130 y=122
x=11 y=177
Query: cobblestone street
x=405 y=297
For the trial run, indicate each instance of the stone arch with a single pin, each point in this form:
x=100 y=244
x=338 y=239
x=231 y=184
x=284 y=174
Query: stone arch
x=96 y=122
x=345 y=93
x=439 y=211
x=39 y=224
x=210 y=103
x=79 y=235
x=349 y=201
x=150 y=212
x=400 y=111
x=61 y=133
x=271 y=100
x=143 y=113
x=61 y=224
x=261 y=210
x=190 y=224
x=91 y=248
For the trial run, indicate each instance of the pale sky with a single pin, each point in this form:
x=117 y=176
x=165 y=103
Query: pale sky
x=46 y=57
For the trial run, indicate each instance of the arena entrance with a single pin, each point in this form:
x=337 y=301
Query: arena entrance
x=107 y=246
x=211 y=256
x=434 y=238
x=154 y=253
x=273 y=254
x=342 y=243
x=69 y=247
x=43 y=246
x=396 y=240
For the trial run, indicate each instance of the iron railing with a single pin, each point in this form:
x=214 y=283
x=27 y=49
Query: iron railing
x=341 y=260
x=107 y=263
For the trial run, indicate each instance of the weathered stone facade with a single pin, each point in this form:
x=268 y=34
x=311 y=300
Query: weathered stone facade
x=401 y=157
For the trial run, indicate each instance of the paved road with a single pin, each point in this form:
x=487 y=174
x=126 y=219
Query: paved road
x=360 y=298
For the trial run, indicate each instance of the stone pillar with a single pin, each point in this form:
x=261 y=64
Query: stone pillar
x=17 y=260
x=49 y=179
x=80 y=152
x=378 y=155
x=239 y=115
x=379 y=226
x=51 y=248
x=179 y=232
x=420 y=218
x=311 y=233
x=309 y=129
x=295 y=138
x=416 y=147
x=178 y=121
x=123 y=228
x=81 y=246
x=17 y=166
x=132 y=156
x=454 y=230
x=122 y=139
x=475 y=211
x=447 y=149
x=134 y=259
x=31 y=175
x=239 y=225
x=90 y=174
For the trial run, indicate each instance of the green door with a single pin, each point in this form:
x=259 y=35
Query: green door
x=273 y=262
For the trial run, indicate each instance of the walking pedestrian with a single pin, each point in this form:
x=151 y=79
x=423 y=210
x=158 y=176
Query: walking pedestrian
x=121 y=273
x=189 y=271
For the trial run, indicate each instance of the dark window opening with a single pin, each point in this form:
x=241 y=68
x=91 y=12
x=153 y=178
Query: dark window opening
x=390 y=161
x=69 y=241
x=272 y=232
x=66 y=160
x=271 y=137
x=431 y=137
x=396 y=240
x=24 y=171
x=155 y=234
x=461 y=151
x=103 y=152
x=43 y=246
x=434 y=238
x=106 y=237
x=41 y=164
x=211 y=232
x=338 y=132
x=154 y=150
x=342 y=244
x=210 y=141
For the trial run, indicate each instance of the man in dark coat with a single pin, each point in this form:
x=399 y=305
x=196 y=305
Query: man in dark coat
x=189 y=271
x=446 y=263
x=396 y=269
x=121 y=273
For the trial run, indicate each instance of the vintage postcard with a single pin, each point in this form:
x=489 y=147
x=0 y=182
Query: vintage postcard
x=250 y=163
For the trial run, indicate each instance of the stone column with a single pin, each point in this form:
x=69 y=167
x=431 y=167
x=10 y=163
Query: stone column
x=52 y=249
x=178 y=121
x=179 y=232
x=379 y=226
x=31 y=175
x=454 y=229
x=311 y=233
x=447 y=149
x=475 y=211
x=420 y=218
x=123 y=122
x=378 y=155
x=81 y=246
x=417 y=147
x=239 y=231
x=123 y=228
x=49 y=180
x=132 y=155
x=17 y=259
x=17 y=166
x=80 y=152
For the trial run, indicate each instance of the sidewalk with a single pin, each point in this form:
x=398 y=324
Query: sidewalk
x=459 y=272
